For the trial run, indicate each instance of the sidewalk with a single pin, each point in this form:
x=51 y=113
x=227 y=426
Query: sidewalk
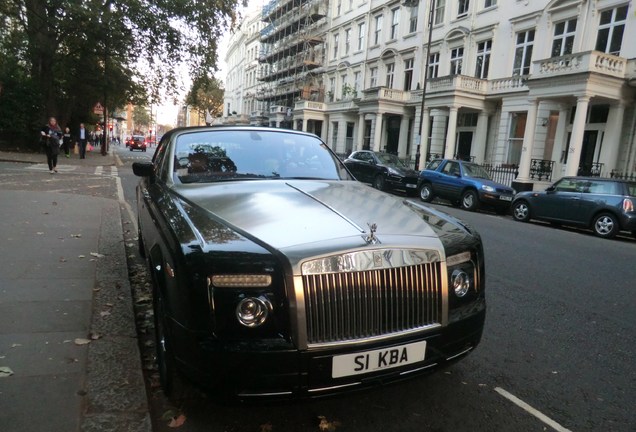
x=69 y=359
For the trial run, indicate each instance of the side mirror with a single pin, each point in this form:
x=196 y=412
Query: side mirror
x=143 y=169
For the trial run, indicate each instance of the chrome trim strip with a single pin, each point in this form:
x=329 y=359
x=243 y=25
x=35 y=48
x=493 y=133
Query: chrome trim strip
x=322 y=389
x=370 y=259
x=418 y=369
x=374 y=338
x=285 y=393
x=460 y=354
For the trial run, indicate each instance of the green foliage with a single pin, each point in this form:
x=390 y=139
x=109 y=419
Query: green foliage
x=60 y=57
x=206 y=94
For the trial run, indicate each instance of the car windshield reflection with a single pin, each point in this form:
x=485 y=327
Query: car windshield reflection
x=390 y=160
x=475 y=171
x=225 y=156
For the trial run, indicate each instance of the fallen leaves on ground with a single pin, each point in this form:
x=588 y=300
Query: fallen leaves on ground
x=82 y=341
x=326 y=425
x=97 y=255
x=5 y=371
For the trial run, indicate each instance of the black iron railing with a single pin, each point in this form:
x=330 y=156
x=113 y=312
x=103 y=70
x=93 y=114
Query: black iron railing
x=502 y=173
x=541 y=169
x=591 y=170
x=622 y=175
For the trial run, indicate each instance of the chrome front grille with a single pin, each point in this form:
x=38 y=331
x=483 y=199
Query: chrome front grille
x=350 y=306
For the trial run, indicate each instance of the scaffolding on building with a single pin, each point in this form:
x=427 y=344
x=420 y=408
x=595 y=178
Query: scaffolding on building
x=292 y=53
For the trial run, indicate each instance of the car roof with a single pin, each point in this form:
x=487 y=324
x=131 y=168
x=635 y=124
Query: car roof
x=182 y=129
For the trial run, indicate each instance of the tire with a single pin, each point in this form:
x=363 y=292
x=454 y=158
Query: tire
x=470 y=200
x=378 y=182
x=130 y=148
x=605 y=225
x=521 y=211
x=426 y=192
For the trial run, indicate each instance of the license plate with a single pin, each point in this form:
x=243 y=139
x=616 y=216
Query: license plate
x=412 y=186
x=380 y=359
x=505 y=198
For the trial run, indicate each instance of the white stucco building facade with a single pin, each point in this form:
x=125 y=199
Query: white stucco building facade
x=545 y=85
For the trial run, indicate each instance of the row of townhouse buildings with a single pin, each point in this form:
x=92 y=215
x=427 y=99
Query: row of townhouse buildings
x=547 y=86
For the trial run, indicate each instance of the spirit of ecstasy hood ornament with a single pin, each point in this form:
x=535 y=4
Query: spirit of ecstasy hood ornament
x=371 y=238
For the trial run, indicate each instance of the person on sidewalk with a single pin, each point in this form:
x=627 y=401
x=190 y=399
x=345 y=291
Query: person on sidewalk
x=83 y=137
x=66 y=142
x=51 y=134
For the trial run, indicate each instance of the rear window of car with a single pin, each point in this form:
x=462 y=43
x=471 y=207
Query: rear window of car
x=631 y=189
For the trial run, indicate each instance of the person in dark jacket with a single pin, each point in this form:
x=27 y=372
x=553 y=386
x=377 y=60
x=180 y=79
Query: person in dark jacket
x=66 y=142
x=51 y=134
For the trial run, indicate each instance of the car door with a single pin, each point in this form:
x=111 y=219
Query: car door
x=561 y=202
x=362 y=166
x=449 y=184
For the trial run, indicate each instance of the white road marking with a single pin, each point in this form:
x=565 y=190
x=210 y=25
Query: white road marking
x=538 y=414
x=45 y=167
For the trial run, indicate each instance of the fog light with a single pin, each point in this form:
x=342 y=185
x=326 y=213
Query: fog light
x=253 y=311
x=460 y=282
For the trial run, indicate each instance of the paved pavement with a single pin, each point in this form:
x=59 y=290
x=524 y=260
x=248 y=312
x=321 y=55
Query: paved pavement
x=69 y=356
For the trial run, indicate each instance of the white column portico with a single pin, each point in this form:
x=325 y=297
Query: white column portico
x=449 y=150
x=424 y=144
x=612 y=138
x=528 y=141
x=377 y=136
x=480 y=137
x=403 y=137
x=576 y=139
x=361 y=126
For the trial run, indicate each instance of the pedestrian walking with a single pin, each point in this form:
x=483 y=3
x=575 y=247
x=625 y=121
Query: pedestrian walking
x=51 y=134
x=82 y=137
x=66 y=142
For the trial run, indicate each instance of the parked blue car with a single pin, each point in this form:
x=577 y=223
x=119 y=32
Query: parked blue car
x=464 y=184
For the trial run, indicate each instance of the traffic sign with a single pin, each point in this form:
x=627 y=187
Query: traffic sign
x=98 y=108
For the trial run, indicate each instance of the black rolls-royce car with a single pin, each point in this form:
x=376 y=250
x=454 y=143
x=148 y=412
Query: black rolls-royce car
x=275 y=273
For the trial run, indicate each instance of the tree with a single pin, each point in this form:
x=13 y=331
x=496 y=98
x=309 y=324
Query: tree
x=141 y=117
x=112 y=51
x=206 y=95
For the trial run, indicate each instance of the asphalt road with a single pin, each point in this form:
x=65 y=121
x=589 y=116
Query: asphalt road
x=557 y=353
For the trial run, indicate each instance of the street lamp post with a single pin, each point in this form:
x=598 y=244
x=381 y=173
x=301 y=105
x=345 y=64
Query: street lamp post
x=431 y=17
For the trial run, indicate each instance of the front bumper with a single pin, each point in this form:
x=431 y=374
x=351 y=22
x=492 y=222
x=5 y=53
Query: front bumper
x=275 y=369
x=496 y=199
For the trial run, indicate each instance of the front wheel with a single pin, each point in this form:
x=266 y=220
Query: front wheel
x=426 y=192
x=470 y=200
x=605 y=225
x=521 y=211
x=378 y=182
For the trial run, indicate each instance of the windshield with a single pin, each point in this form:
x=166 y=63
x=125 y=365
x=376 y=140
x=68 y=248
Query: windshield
x=222 y=155
x=476 y=171
x=390 y=160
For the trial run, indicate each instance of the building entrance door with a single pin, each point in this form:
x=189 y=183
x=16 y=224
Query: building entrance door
x=393 y=134
x=588 y=148
x=464 y=145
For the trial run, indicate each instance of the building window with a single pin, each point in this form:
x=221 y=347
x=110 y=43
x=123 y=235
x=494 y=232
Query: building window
x=440 y=9
x=373 y=77
x=462 y=8
x=334 y=135
x=610 y=30
x=395 y=23
x=336 y=38
x=347 y=41
x=408 y=73
x=361 y=31
x=523 y=53
x=413 y=19
x=345 y=86
x=390 y=72
x=490 y=3
x=563 y=38
x=332 y=89
x=356 y=81
x=457 y=56
x=433 y=66
x=338 y=7
x=483 y=59
x=377 y=37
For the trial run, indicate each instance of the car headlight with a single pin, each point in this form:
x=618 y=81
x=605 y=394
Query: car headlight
x=488 y=188
x=461 y=274
x=253 y=311
x=460 y=282
x=393 y=172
